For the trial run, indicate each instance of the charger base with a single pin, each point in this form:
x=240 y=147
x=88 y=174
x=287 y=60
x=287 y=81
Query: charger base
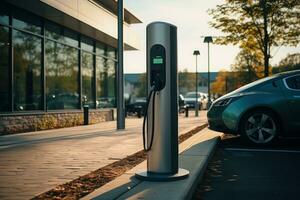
x=160 y=177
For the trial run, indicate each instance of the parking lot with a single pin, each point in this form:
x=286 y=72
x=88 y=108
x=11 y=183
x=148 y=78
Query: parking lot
x=239 y=171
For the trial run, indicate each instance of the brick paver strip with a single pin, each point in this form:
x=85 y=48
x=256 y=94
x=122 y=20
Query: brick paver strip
x=86 y=184
x=40 y=161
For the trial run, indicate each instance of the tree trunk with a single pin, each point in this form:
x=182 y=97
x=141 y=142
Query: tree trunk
x=266 y=38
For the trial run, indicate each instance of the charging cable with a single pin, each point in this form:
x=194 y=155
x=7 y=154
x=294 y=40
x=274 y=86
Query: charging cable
x=151 y=94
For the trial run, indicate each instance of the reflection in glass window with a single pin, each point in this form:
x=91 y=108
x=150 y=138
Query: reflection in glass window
x=3 y=14
x=26 y=22
x=100 y=83
x=105 y=70
x=60 y=34
x=53 y=31
x=70 y=38
x=111 y=80
x=61 y=76
x=111 y=53
x=88 y=90
x=100 y=49
x=87 y=44
x=4 y=69
x=27 y=71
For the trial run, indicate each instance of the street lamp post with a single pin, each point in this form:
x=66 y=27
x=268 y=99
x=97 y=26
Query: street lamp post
x=196 y=53
x=207 y=40
x=120 y=76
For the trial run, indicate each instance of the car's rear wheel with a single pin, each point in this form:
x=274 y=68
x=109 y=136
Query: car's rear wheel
x=260 y=127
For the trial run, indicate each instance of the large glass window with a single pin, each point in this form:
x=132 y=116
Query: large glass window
x=100 y=83
x=111 y=81
x=22 y=86
x=105 y=83
x=100 y=49
x=88 y=88
x=61 y=76
x=4 y=69
x=27 y=71
x=4 y=19
x=111 y=53
x=24 y=21
x=87 y=44
x=53 y=31
x=60 y=34
x=87 y=67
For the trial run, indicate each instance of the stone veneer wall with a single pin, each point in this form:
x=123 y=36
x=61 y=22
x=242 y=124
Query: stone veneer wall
x=42 y=121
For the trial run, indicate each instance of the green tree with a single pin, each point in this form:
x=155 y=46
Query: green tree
x=258 y=24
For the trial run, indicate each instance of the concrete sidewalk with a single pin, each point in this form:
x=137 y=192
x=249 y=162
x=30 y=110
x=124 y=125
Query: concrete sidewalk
x=194 y=155
x=32 y=163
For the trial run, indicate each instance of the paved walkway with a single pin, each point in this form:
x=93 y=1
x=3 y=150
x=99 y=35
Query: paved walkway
x=32 y=163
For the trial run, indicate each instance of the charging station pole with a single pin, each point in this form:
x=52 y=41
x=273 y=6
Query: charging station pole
x=162 y=111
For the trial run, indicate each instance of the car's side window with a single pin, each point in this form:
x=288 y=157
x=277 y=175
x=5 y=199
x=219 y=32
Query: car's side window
x=293 y=82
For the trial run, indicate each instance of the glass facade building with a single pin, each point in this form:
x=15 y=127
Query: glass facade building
x=47 y=67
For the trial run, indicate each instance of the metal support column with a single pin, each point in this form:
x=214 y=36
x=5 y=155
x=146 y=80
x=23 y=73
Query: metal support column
x=208 y=76
x=120 y=76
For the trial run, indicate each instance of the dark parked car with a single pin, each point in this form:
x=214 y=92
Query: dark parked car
x=260 y=111
x=137 y=108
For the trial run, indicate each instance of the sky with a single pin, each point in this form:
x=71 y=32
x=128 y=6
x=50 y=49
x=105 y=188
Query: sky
x=191 y=19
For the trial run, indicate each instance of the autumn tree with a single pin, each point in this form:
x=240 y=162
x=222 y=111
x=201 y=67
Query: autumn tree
x=258 y=25
x=226 y=81
x=290 y=62
x=248 y=67
x=219 y=86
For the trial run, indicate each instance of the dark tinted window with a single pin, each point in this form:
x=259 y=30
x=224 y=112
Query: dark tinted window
x=100 y=49
x=4 y=69
x=53 y=31
x=293 y=82
x=111 y=53
x=60 y=34
x=100 y=84
x=110 y=67
x=61 y=76
x=87 y=44
x=27 y=22
x=105 y=70
x=27 y=71
x=88 y=88
x=4 y=19
x=70 y=38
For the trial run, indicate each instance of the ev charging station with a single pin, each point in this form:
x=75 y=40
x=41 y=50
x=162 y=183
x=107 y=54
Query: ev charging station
x=160 y=126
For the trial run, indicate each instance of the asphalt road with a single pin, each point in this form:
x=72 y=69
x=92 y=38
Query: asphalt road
x=238 y=171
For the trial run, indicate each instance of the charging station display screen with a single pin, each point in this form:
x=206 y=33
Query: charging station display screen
x=158 y=61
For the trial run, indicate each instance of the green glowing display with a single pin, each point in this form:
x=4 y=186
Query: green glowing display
x=158 y=61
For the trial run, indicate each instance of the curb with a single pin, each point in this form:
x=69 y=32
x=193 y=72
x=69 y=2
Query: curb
x=194 y=156
x=200 y=175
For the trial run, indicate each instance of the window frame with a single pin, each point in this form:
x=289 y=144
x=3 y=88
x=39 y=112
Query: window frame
x=11 y=9
x=287 y=86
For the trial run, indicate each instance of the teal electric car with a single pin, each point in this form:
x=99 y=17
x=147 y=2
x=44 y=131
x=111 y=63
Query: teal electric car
x=260 y=111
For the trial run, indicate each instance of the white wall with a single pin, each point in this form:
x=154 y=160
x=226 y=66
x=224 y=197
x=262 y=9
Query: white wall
x=96 y=16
